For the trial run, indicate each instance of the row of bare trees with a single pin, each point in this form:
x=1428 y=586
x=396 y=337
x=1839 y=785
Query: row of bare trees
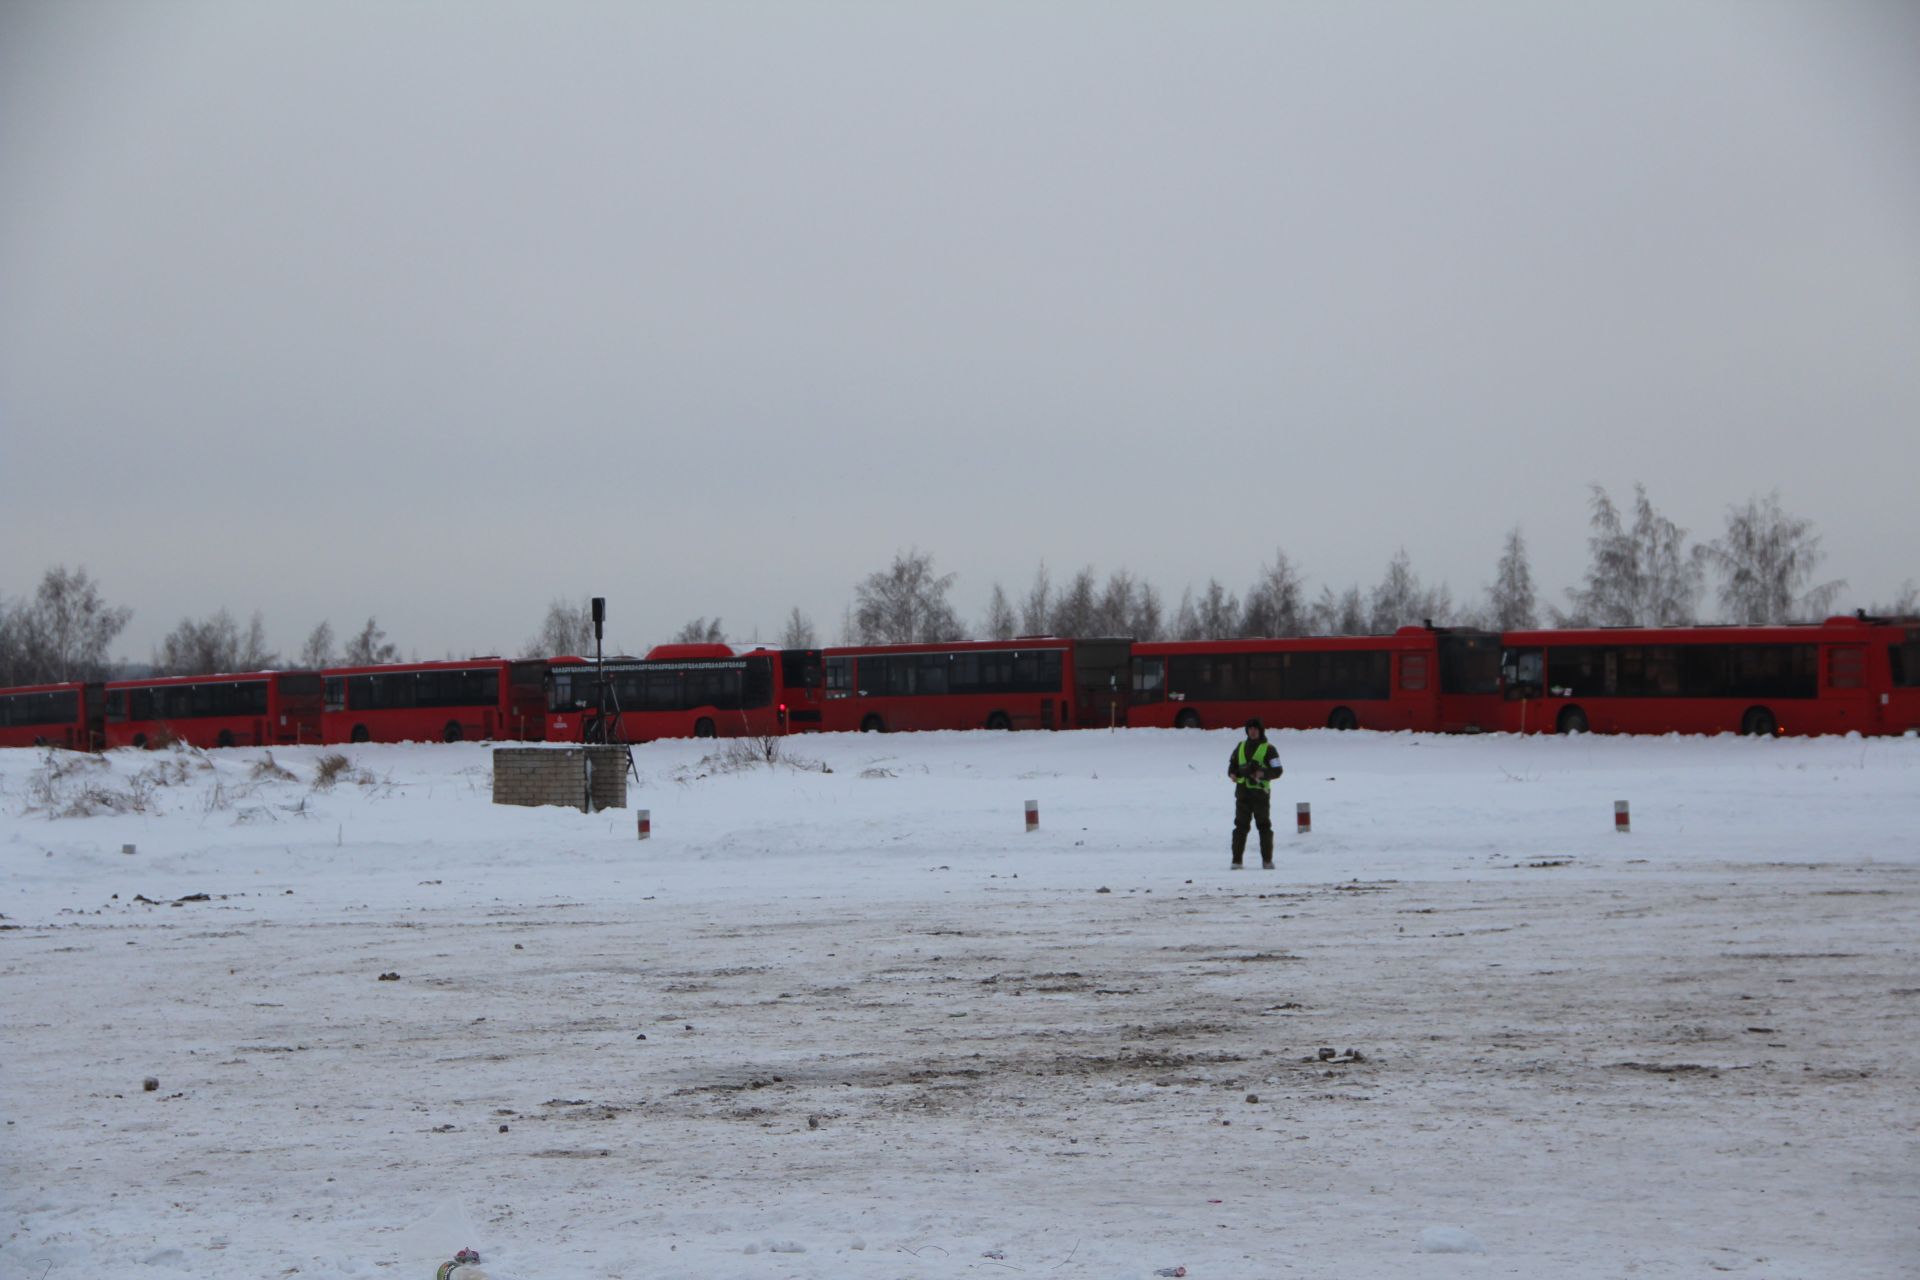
x=1641 y=571
x=64 y=629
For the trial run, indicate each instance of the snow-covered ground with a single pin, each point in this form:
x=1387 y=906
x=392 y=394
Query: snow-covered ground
x=845 y=1017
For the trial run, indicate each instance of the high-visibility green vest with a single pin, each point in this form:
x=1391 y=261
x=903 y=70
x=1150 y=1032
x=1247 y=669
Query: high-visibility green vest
x=1261 y=754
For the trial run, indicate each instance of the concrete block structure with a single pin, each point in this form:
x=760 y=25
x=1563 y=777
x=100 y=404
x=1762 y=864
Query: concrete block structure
x=585 y=778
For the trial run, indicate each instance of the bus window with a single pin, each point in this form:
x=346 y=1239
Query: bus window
x=1522 y=672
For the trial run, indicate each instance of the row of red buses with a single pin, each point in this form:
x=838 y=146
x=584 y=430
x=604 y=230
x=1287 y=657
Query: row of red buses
x=257 y=709
x=1842 y=675
x=481 y=698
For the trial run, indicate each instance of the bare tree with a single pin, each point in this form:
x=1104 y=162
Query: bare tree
x=701 y=631
x=1148 y=621
x=254 y=654
x=799 y=632
x=1644 y=576
x=1113 y=607
x=1074 y=608
x=1036 y=611
x=1402 y=600
x=1276 y=603
x=1511 y=605
x=318 y=650
x=64 y=631
x=1338 y=615
x=566 y=630
x=1186 y=618
x=905 y=603
x=369 y=648
x=12 y=645
x=1218 y=613
x=201 y=646
x=1766 y=559
x=1001 y=621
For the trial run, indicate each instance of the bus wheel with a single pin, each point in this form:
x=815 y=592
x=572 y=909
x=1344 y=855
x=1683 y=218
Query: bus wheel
x=359 y=734
x=1343 y=718
x=703 y=728
x=1187 y=719
x=1572 y=720
x=1758 y=722
x=140 y=740
x=998 y=720
x=873 y=724
x=225 y=739
x=451 y=733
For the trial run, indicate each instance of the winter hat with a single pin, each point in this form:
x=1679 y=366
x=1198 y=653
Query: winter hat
x=1253 y=722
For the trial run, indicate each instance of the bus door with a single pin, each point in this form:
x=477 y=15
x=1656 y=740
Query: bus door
x=1102 y=682
x=94 y=706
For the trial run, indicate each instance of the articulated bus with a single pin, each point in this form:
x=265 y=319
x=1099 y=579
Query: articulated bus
x=1839 y=676
x=688 y=691
x=71 y=715
x=480 y=698
x=257 y=709
x=1420 y=678
x=1040 y=682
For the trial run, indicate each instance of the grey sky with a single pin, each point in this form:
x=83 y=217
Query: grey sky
x=438 y=311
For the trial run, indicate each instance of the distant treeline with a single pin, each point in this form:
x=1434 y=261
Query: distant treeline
x=1641 y=570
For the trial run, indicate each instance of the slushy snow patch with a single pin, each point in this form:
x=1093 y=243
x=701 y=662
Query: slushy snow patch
x=1450 y=1240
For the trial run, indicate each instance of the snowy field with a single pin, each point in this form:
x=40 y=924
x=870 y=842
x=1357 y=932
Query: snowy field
x=845 y=1017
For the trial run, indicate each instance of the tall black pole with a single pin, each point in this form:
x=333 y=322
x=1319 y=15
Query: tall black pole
x=599 y=667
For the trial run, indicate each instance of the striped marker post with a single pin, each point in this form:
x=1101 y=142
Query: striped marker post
x=1302 y=818
x=1033 y=815
x=1620 y=817
x=646 y=823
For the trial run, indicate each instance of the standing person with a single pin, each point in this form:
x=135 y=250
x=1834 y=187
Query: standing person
x=1253 y=766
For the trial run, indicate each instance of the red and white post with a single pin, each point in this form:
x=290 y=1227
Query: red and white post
x=1033 y=815
x=1302 y=818
x=646 y=823
x=1620 y=817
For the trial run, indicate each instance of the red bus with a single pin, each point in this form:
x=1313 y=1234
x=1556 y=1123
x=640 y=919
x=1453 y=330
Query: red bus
x=257 y=709
x=480 y=698
x=1420 y=678
x=1030 y=683
x=1839 y=676
x=69 y=715
x=688 y=691
x=1899 y=639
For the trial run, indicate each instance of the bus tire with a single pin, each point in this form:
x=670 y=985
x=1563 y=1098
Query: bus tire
x=1758 y=722
x=225 y=739
x=452 y=732
x=359 y=734
x=873 y=724
x=1342 y=718
x=140 y=740
x=1187 y=719
x=1572 y=720
x=998 y=720
x=703 y=728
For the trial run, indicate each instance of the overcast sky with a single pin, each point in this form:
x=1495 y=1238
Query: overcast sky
x=437 y=312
